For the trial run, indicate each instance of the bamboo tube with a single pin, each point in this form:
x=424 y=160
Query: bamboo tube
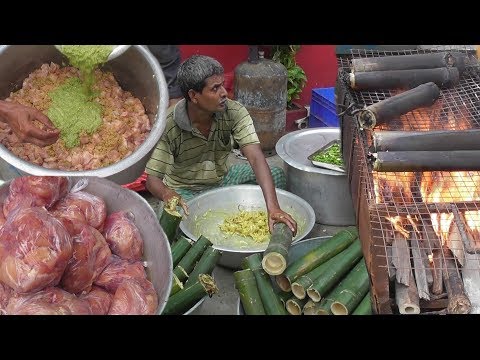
x=170 y=219
x=409 y=62
x=180 y=248
x=351 y=290
x=283 y=296
x=404 y=79
x=275 y=256
x=458 y=302
x=323 y=307
x=246 y=285
x=419 y=269
x=176 y=285
x=316 y=257
x=187 y=263
x=444 y=140
x=308 y=307
x=271 y=302
x=365 y=306
x=205 y=265
x=401 y=258
x=294 y=306
x=383 y=111
x=406 y=297
x=335 y=269
x=189 y=296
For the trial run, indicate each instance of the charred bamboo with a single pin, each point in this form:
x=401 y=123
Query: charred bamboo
x=406 y=297
x=180 y=248
x=409 y=62
x=383 y=111
x=316 y=257
x=205 y=265
x=275 y=257
x=437 y=271
x=365 y=306
x=187 y=263
x=404 y=79
x=458 y=302
x=426 y=140
x=419 y=266
x=398 y=161
x=246 y=285
x=401 y=259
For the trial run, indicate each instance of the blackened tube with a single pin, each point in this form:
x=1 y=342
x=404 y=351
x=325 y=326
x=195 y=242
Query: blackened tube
x=406 y=62
x=404 y=79
x=460 y=160
x=441 y=140
x=383 y=111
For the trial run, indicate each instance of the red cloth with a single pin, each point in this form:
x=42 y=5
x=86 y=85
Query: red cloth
x=137 y=185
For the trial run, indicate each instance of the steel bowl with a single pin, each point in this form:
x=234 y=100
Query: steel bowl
x=156 y=253
x=296 y=250
x=136 y=70
x=227 y=200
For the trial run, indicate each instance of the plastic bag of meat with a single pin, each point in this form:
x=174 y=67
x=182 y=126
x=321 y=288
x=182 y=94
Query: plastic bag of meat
x=92 y=207
x=123 y=236
x=90 y=256
x=99 y=300
x=134 y=297
x=50 y=301
x=72 y=217
x=34 y=250
x=117 y=271
x=30 y=191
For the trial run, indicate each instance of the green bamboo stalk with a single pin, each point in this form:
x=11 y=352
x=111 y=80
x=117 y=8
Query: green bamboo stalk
x=205 y=265
x=176 y=285
x=365 y=306
x=187 y=263
x=170 y=221
x=316 y=257
x=295 y=306
x=335 y=269
x=307 y=307
x=351 y=290
x=189 y=296
x=271 y=302
x=275 y=257
x=246 y=285
x=180 y=248
x=283 y=296
x=323 y=307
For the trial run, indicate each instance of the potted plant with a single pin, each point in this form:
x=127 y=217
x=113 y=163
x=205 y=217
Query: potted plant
x=286 y=55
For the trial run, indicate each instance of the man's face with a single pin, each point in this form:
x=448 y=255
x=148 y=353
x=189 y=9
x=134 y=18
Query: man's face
x=213 y=96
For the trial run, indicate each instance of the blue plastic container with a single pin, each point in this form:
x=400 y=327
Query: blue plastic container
x=323 y=110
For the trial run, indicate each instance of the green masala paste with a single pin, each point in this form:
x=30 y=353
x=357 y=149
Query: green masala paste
x=73 y=110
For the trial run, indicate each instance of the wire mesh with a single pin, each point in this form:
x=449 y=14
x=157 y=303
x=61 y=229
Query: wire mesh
x=436 y=214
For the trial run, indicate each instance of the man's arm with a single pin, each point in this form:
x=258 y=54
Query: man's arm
x=20 y=118
x=161 y=191
x=254 y=154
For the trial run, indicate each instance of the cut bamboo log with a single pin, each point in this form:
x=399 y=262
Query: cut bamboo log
x=180 y=248
x=437 y=271
x=406 y=297
x=444 y=140
x=419 y=266
x=409 y=62
x=283 y=296
x=275 y=257
x=271 y=302
x=458 y=302
x=429 y=243
x=187 y=263
x=308 y=307
x=399 y=161
x=250 y=298
x=170 y=219
x=205 y=265
x=365 y=306
x=323 y=307
x=350 y=290
x=392 y=272
x=401 y=259
x=385 y=110
x=176 y=285
x=404 y=79
x=334 y=269
x=325 y=251
x=455 y=243
x=294 y=305
x=189 y=296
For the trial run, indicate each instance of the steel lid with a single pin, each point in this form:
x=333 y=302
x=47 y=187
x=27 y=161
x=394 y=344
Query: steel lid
x=295 y=147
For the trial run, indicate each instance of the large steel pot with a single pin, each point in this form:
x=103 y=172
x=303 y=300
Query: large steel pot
x=327 y=191
x=229 y=200
x=136 y=70
x=156 y=253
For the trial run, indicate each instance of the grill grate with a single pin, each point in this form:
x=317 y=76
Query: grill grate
x=423 y=201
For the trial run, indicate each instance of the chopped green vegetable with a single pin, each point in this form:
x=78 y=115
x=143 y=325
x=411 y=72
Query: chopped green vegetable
x=332 y=155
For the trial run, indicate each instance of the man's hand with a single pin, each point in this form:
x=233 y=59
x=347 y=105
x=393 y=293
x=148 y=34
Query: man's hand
x=21 y=120
x=279 y=215
x=169 y=194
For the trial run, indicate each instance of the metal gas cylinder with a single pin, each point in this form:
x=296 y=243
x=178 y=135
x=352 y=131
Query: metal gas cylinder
x=261 y=86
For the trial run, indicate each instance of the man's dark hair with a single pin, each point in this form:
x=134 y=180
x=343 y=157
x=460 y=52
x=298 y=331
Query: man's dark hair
x=194 y=71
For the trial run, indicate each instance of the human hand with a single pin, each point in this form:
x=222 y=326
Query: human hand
x=279 y=215
x=21 y=120
x=170 y=194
